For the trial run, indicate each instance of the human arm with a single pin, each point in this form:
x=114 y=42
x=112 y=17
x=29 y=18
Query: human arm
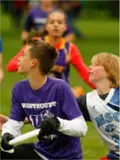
x=77 y=61
x=3 y=119
x=83 y=107
x=12 y=128
x=17 y=115
x=24 y=36
x=76 y=127
x=12 y=65
x=27 y=27
x=74 y=123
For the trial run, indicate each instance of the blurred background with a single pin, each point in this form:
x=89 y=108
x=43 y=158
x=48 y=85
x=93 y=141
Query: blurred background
x=95 y=25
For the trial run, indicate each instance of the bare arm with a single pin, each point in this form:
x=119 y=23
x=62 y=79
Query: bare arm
x=3 y=119
x=24 y=36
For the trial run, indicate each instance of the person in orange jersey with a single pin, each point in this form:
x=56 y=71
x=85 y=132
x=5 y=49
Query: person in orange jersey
x=68 y=52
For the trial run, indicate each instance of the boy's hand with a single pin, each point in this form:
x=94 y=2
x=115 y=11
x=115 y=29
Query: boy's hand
x=48 y=126
x=5 y=141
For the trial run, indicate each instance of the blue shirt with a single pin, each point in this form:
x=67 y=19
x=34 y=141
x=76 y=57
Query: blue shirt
x=0 y=45
x=54 y=97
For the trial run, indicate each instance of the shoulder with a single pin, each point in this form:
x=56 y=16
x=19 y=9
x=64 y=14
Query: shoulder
x=72 y=45
x=58 y=83
x=115 y=100
x=91 y=97
x=73 y=50
x=91 y=93
x=82 y=98
x=21 y=84
x=117 y=91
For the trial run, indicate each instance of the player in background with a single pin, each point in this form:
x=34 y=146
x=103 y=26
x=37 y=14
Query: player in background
x=1 y=68
x=67 y=52
x=49 y=104
x=102 y=105
x=37 y=17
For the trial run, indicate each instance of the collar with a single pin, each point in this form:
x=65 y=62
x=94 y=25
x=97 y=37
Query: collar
x=59 y=45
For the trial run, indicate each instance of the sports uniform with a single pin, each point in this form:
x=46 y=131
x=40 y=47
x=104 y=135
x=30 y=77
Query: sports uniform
x=54 y=97
x=103 y=111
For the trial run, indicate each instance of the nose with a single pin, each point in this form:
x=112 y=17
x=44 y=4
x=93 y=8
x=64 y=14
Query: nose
x=56 y=24
x=18 y=60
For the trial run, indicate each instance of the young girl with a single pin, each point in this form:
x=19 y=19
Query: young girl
x=67 y=52
x=37 y=17
x=102 y=105
x=49 y=105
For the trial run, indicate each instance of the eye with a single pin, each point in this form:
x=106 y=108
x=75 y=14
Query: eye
x=51 y=22
x=60 y=22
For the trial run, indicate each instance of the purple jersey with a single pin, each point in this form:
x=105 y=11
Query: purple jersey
x=61 y=67
x=36 y=19
x=54 y=97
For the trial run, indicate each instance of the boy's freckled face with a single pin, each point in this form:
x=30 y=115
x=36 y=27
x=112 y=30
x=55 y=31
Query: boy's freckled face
x=97 y=73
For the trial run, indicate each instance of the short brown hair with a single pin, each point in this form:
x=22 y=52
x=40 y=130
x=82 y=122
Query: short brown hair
x=111 y=64
x=45 y=53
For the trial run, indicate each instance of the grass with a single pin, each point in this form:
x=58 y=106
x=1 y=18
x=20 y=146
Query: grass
x=101 y=35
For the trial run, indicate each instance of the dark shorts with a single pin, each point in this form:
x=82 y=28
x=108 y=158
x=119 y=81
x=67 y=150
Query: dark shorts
x=23 y=151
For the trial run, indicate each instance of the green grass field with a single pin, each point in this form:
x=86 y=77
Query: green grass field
x=101 y=35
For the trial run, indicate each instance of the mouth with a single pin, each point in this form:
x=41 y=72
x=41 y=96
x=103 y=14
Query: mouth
x=56 y=30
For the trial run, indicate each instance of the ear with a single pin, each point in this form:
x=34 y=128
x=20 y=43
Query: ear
x=34 y=62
